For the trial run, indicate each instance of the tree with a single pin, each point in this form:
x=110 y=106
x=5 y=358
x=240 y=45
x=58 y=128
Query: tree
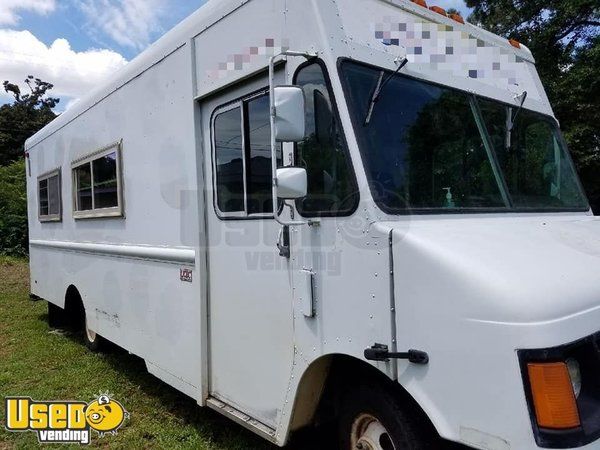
x=564 y=37
x=25 y=116
x=13 y=209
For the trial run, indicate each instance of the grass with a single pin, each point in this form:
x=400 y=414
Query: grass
x=46 y=364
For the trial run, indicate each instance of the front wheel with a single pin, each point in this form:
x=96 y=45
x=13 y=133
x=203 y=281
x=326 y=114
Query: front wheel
x=375 y=419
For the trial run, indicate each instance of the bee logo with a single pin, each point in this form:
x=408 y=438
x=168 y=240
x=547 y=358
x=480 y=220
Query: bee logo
x=105 y=415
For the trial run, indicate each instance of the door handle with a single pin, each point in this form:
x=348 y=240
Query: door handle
x=307 y=292
x=380 y=352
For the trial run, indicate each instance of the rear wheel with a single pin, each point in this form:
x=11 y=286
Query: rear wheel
x=92 y=340
x=375 y=419
x=56 y=316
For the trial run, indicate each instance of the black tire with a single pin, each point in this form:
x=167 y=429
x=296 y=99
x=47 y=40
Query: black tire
x=406 y=427
x=57 y=318
x=92 y=340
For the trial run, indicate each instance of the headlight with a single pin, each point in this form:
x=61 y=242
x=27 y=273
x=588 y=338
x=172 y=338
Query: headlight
x=575 y=374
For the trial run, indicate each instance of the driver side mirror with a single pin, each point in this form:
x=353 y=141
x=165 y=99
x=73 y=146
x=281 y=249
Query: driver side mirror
x=289 y=122
x=292 y=183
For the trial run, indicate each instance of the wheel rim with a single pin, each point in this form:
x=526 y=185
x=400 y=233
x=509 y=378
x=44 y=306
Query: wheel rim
x=91 y=335
x=368 y=433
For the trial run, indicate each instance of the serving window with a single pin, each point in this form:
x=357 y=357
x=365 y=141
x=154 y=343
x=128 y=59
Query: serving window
x=49 y=197
x=97 y=184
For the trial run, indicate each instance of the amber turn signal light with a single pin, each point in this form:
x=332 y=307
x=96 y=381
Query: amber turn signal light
x=457 y=17
x=422 y=3
x=553 y=396
x=515 y=43
x=439 y=10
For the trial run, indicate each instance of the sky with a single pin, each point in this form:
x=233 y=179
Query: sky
x=76 y=44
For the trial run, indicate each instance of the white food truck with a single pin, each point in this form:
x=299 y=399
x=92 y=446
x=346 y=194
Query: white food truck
x=354 y=213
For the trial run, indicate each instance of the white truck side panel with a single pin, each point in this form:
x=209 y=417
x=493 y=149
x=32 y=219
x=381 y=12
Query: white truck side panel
x=131 y=288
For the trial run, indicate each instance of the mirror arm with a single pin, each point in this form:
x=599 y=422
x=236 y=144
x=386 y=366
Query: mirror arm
x=272 y=61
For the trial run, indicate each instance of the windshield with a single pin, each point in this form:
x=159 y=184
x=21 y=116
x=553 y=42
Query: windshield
x=428 y=147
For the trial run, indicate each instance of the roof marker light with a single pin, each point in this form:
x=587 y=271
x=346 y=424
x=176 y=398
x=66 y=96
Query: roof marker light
x=515 y=43
x=439 y=10
x=422 y=3
x=457 y=17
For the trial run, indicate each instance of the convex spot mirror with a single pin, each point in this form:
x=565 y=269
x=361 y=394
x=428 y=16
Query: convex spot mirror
x=289 y=122
x=292 y=183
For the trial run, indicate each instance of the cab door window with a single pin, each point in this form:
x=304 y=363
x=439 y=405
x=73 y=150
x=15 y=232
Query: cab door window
x=332 y=189
x=258 y=170
x=229 y=156
x=242 y=158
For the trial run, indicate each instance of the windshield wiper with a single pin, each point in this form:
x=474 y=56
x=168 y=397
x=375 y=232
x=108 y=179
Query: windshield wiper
x=512 y=120
x=381 y=84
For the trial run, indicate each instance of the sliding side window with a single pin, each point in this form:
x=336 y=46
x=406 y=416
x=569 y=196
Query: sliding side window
x=242 y=159
x=97 y=184
x=229 y=156
x=49 y=197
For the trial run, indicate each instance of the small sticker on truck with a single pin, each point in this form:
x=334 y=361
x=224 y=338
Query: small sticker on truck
x=185 y=275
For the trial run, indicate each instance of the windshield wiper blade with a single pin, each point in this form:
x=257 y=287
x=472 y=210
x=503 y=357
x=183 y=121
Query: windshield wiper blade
x=381 y=84
x=514 y=118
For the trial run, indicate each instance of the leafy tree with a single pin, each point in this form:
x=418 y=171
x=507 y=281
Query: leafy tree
x=13 y=209
x=28 y=113
x=564 y=36
x=18 y=121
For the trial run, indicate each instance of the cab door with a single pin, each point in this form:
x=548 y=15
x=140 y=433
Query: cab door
x=250 y=297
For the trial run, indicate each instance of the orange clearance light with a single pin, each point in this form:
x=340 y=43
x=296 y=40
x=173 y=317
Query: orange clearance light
x=422 y=3
x=515 y=43
x=457 y=17
x=439 y=10
x=553 y=396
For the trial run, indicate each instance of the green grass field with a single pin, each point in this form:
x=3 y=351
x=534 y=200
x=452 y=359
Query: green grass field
x=46 y=364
